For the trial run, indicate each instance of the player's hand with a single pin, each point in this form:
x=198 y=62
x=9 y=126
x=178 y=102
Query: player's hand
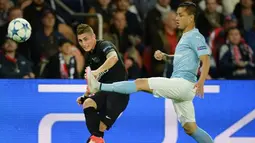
x=79 y=100
x=95 y=73
x=199 y=87
x=159 y=55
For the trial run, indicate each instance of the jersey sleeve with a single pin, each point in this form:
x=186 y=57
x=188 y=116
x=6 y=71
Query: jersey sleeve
x=106 y=47
x=200 y=46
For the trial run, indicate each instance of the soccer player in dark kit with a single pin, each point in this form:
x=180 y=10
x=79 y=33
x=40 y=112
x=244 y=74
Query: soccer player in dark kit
x=102 y=109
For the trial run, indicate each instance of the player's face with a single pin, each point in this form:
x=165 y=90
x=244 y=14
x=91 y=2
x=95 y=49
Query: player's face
x=87 y=41
x=183 y=19
x=234 y=36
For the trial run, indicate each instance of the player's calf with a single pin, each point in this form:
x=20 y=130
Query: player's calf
x=197 y=133
x=92 y=118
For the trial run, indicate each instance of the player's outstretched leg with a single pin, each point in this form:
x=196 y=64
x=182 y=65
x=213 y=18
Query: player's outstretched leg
x=92 y=121
x=125 y=87
x=197 y=133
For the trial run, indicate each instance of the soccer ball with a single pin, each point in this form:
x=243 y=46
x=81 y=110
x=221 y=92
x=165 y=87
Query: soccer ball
x=19 y=30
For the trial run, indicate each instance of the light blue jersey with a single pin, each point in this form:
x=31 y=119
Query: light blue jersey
x=191 y=46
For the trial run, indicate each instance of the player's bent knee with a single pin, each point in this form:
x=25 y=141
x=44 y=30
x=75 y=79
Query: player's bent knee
x=142 y=84
x=190 y=128
x=89 y=103
x=102 y=126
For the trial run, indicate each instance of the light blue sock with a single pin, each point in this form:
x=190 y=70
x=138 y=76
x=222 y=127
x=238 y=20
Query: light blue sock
x=125 y=87
x=201 y=136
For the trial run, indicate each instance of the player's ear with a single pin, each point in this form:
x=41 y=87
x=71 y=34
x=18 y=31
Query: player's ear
x=191 y=18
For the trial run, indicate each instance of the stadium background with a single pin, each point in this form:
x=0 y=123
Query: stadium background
x=31 y=111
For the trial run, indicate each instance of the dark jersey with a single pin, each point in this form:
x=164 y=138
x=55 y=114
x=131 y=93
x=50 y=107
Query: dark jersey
x=97 y=57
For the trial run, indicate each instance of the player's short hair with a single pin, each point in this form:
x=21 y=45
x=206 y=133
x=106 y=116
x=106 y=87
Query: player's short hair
x=191 y=8
x=84 y=28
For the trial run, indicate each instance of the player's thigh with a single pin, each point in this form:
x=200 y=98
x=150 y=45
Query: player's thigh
x=116 y=103
x=99 y=98
x=185 y=111
x=172 y=88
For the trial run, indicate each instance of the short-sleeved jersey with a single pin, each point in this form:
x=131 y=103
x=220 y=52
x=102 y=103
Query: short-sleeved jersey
x=97 y=57
x=191 y=46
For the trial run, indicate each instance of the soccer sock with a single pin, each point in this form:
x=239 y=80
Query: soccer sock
x=125 y=87
x=92 y=121
x=201 y=136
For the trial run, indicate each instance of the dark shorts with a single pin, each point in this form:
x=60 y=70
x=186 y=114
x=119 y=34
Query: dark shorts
x=110 y=105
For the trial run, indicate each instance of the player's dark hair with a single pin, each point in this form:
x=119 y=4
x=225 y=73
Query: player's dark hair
x=84 y=28
x=191 y=8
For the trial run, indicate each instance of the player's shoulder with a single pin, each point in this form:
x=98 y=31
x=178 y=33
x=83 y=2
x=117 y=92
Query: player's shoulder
x=195 y=35
x=104 y=43
x=104 y=46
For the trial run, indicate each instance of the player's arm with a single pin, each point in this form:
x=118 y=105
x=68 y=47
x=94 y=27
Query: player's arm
x=162 y=56
x=205 y=59
x=111 y=60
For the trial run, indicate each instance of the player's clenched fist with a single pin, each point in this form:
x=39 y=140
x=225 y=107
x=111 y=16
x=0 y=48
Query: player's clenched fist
x=80 y=100
x=159 y=55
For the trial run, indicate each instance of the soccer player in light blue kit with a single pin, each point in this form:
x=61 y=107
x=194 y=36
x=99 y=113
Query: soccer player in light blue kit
x=183 y=85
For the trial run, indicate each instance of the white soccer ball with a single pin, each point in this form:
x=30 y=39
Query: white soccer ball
x=19 y=30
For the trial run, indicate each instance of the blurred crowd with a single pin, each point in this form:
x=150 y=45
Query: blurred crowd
x=136 y=27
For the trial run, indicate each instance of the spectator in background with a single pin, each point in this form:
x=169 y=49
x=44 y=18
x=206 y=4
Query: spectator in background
x=133 y=23
x=132 y=8
x=63 y=64
x=46 y=41
x=202 y=5
x=218 y=36
x=250 y=37
x=4 y=8
x=245 y=13
x=236 y=57
x=229 y=6
x=12 y=64
x=165 y=40
x=209 y=19
x=33 y=13
x=24 y=48
x=125 y=43
x=105 y=8
x=23 y=3
x=14 y=12
x=144 y=6
x=153 y=21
